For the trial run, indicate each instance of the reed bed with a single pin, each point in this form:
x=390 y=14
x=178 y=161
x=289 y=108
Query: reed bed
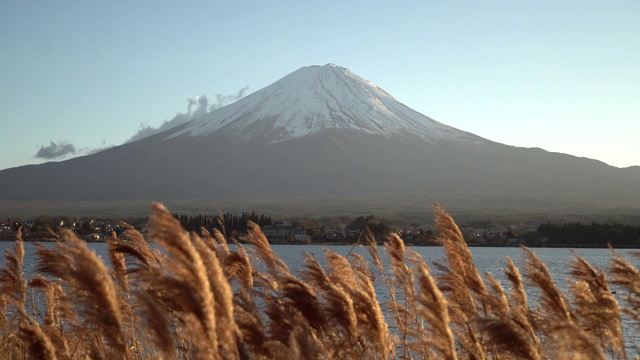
x=200 y=298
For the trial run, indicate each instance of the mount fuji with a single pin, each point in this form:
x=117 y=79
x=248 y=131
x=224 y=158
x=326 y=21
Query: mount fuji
x=323 y=132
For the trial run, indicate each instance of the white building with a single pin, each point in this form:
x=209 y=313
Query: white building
x=284 y=231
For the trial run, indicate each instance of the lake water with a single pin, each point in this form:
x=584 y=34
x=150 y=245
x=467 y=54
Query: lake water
x=491 y=259
x=487 y=259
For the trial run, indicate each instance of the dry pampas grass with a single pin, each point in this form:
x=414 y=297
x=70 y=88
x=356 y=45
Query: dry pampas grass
x=202 y=298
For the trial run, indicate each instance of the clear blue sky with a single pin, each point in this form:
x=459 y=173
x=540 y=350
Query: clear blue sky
x=560 y=75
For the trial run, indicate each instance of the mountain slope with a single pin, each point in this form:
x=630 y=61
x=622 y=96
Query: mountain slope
x=323 y=131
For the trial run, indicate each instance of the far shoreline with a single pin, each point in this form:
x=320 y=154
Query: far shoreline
x=572 y=246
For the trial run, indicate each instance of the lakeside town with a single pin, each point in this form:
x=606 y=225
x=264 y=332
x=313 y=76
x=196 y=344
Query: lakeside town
x=336 y=231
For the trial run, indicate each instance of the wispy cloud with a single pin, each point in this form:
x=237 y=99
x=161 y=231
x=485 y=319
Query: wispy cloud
x=57 y=150
x=93 y=150
x=222 y=100
x=65 y=149
x=196 y=107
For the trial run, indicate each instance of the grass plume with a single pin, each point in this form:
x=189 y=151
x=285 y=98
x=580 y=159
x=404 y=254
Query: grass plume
x=210 y=296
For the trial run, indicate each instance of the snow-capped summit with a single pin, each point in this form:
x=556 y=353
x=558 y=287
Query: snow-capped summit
x=317 y=98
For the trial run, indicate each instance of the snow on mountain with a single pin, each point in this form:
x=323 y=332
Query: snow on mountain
x=317 y=98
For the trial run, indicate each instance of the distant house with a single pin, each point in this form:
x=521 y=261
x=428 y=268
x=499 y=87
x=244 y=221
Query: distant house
x=93 y=237
x=284 y=231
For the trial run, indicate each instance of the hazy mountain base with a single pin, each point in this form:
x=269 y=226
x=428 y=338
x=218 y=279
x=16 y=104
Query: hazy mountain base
x=415 y=208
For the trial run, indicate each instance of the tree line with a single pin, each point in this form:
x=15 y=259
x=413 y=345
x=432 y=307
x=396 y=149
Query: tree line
x=596 y=235
x=230 y=224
